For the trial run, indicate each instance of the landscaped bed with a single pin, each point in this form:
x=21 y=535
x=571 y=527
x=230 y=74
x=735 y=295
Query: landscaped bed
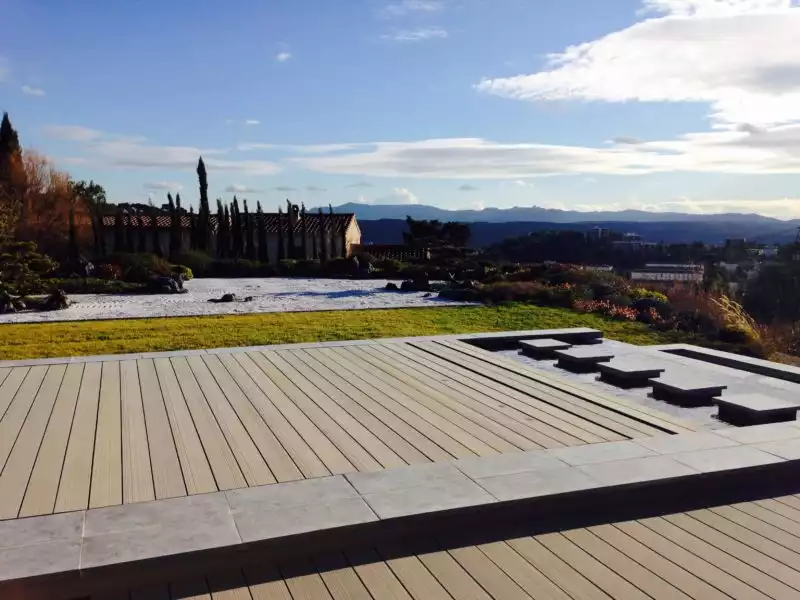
x=39 y=340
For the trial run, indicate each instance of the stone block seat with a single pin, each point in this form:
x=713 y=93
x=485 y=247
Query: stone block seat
x=686 y=389
x=583 y=360
x=542 y=348
x=629 y=372
x=755 y=409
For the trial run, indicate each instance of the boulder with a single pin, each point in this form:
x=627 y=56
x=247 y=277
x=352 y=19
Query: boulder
x=392 y=287
x=56 y=301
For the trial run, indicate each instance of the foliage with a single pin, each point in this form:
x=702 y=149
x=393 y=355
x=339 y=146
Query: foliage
x=187 y=273
x=608 y=309
x=22 y=266
x=108 y=271
x=139 y=268
x=185 y=333
x=774 y=295
x=199 y=262
x=641 y=293
x=430 y=234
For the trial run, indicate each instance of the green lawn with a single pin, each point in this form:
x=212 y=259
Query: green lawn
x=77 y=338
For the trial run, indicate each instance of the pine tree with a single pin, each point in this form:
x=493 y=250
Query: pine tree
x=290 y=222
x=281 y=252
x=304 y=228
x=323 y=236
x=204 y=216
x=220 y=234
x=261 y=222
x=155 y=239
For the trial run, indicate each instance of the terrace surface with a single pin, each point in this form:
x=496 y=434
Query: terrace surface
x=105 y=431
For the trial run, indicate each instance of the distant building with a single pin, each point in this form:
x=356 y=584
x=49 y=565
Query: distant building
x=344 y=233
x=595 y=234
x=669 y=272
x=632 y=242
x=598 y=268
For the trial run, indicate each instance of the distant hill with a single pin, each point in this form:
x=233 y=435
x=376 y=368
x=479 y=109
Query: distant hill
x=768 y=231
x=536 y=214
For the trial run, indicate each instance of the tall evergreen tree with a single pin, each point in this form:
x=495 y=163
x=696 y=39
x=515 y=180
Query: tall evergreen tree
x=304 y=229
x=204 y=216
x=281 y=252
x=141 y=232
x=192 y=229
x=130 y=233
x=250 y=234
x=220 y=234
x=238 y=232
x=174 y=225
x=9 y=148
x=323 y=236
x=155 y=239
x=291 y=251
x=330 y=233
x=226 y=230
x=261 y=223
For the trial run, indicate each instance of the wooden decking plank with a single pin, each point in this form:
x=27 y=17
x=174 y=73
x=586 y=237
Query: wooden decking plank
x=278 y=460
x=731 y=564
x=247 y=455
x=320 y=403
x=378 y=404
x=633 y=572
x=10 y=387
x=484 y=398
x=266 y=583
x=40 y=497
x=557 y=423
x=523 y=573
x=195 y=588
x=682 y=579
x=137 y=474
x=303 y=581
x=792 y=501
x=76 y=474
x=289 y=401
x=458 y=582
x=579 y=406
x=353 y=401
x=340 y=578
x=167 y=474
x=618 y=405
x=17 y=412
x=438 y=403
x=15 y=475
x=756 y=525
x=282 y=392
x=418 y=580
x=692 y=563
x=498 y=426
x=768 y=516
x=223 y=463
x=468 y=444
x=197 y=473
x=247 y=379
x=780 y=508
x=758 y=542
x=399 y=404
x=228 y=585
x=377 y=576
x=603 y=577
x=490 y=577
x=106 y=488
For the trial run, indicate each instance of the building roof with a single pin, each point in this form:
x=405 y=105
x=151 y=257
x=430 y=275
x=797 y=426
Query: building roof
x=337 y=223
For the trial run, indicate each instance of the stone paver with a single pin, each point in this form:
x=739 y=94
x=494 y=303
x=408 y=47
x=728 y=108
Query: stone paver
x=757 y=434
x=751 y=409
x=534 y=484
x=637 y=470
x=507 y=464
x=426 y=499
x=603 y=452
x=724 y=459
x=685 y=442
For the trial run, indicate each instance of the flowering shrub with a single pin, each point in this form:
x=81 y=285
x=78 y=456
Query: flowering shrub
x=608 y=309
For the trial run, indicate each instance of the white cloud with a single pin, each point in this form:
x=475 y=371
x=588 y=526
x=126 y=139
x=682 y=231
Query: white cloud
x=252 y=122
x=626 y=139
x=314 y=188
x=285 y=188
x=168 y=186
x=238 y=188
x=420 y=34
x=406 y=7
x=283 y=56
x=467 y=188
x=32 y=91
x=779 y=208
x=72 y=133
x=398 y=196
x=478 y=206
x=737 y=56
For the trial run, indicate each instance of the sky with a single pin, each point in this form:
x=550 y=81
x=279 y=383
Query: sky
x=663 y=105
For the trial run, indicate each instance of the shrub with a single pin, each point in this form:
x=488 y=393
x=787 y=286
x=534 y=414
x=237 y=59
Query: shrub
x=606 y=308
x=139 y=268
x=637 y=294
x=338 y=267
x=183 y=270
x=199 y=262
x=109 y=271
x=390 y=267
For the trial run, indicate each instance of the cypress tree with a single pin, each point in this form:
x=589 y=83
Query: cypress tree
x=226 y=230
x=9 y=148
x=192 y=229
x=323 y=236
x=155 y=239
x=130 y=239
x=250 y=251
x=141 y=233
x=237 y=232
x=261 y=222
x=220 y=234
x=204 y=216
x=281 y=253
x=290 y=222
x=304 y=228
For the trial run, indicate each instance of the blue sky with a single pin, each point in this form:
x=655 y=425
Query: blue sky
x=687 y=105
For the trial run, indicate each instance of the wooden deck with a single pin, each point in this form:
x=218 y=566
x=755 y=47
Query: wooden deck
x=747 y=551
x=87 y=434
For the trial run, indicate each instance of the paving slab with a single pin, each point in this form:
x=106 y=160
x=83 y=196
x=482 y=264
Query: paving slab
x=685 y=442
x=630 y=371
x=583 y=359
x=637 y=470
x=685 y=388
x=757 y=434
x=389 y=480
x=428 y=499
x=39 y=560
x=543 y=348
x=724 y=459
x=535 y=484
x=603 y=452
x=35 y=530
x=754 y=409
x=294 y=493
x=479 y=467
x=786 y=449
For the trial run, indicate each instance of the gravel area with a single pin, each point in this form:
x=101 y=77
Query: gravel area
x=270 y=295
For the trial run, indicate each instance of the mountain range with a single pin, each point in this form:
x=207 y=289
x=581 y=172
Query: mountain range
x=385 y=224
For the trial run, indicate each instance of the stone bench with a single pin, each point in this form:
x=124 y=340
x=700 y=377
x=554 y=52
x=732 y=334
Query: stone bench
x=629 y=372
x=582 y=360
x=544 y=348
x=755 y=409
x=686 y=389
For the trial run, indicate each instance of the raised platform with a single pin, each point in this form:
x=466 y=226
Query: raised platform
x=755 y=409
x=583 y=360
x=544 y=348
x=630 y=371
x=686 y=389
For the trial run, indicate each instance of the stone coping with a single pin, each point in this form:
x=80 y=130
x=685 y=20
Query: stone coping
x=95 y=542
x=494 y=339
